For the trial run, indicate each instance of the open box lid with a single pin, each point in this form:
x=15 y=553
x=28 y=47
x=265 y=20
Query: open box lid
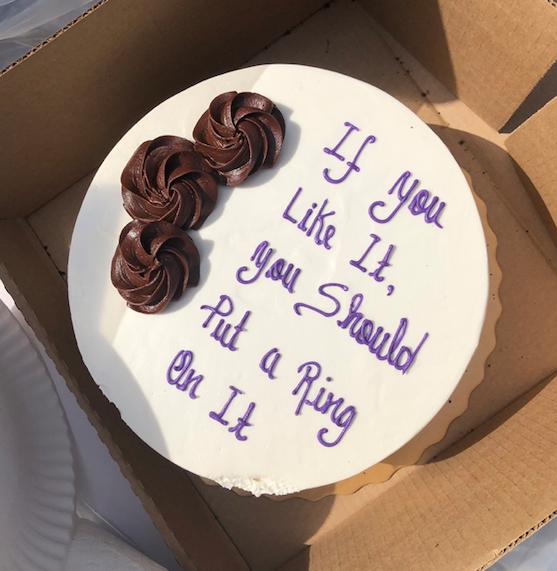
x=489 y=54
x=534 y=148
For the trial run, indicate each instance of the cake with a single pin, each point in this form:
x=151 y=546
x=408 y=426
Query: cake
x=341 y=293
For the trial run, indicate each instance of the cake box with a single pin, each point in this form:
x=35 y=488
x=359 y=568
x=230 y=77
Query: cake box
x=491 y=480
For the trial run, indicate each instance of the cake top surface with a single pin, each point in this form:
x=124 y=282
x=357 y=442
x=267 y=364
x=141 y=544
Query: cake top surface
x=341 y=292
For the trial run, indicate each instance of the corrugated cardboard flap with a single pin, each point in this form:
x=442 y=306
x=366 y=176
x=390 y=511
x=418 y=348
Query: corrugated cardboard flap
x=489 y=54
x=533 y=146
x=462 y=511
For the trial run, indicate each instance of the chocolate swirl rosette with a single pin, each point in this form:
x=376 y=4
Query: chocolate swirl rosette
x=167 y=180
x=239 y=134
x=153 y=264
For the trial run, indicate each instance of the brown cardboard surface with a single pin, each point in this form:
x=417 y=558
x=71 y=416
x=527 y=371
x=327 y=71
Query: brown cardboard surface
x=62 y=108
x=542 y=93
x=534 y=148
x=343 y=37
x=53 y=223
x=489 y=54
x=495 y=484
x=428 y=516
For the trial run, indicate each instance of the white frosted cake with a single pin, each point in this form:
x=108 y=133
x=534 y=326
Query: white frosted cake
x=341 y=292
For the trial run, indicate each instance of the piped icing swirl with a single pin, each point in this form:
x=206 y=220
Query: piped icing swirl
x=239 y=134
x=166 y=180
x=170 y=185
x=153 y=264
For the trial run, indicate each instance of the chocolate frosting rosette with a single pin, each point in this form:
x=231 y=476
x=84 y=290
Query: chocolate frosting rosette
x=153 y=264
x=167 y=180
x=170 y=185
x=239 y=134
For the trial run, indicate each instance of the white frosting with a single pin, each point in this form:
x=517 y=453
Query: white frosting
x=438 y=271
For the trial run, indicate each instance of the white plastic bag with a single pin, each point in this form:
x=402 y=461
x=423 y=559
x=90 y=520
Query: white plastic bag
x=537 y=553
x=22 y=16
x=95 y=549
x=24 y=24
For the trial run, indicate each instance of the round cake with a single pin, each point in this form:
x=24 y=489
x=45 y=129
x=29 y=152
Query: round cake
x=340 y=296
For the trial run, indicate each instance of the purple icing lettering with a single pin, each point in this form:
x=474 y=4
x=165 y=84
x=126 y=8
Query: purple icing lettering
x=321 y=234
x=242 y=423
x=358 y=264
x=302 y=225
x=397 y=340
x=394 y=358
x=343 y=420
x=298 y=306
x=316 y=402
x=399 y=186
x=186 y=376
x=419 y=202
x=313 y=370
x=277 y=273
x=334 y=151
x=318 y=223
x=382 y=264
x=366 y=333
x=260 y=257
x=219 y=416
x=376 y=274
x=217 y=309
x=222 y=328
x=219 y=335
x=419 y=205
x=323 y=402
x=361 y=330
x=375 y=348
x=286 y=214
x=354 y=316
x=269 y=362
x=352 y=166
x=409 y=355
x=329 y=233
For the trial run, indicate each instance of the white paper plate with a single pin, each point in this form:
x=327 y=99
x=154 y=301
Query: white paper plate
x=37 y=494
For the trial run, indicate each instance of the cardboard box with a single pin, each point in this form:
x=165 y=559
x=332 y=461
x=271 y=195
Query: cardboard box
x=493 y=479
